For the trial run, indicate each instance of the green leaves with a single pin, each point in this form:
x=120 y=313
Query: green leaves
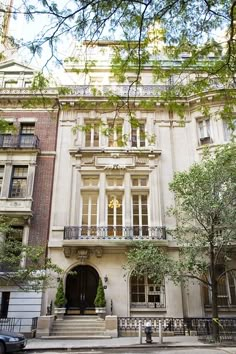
x=23 y=265
x=146 y=259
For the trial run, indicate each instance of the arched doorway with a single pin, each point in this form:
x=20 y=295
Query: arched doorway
x=81 y=288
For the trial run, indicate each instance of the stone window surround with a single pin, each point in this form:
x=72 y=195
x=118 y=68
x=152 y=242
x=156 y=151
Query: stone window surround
x=7 y=177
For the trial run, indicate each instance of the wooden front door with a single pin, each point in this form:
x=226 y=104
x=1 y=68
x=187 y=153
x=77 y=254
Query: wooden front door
x=81 y=288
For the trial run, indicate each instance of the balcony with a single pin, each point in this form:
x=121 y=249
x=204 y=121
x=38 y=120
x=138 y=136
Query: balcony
x=19 y=141
x=131 y=233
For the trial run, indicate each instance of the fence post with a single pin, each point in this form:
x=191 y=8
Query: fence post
x=140 y=331
x=160 y=333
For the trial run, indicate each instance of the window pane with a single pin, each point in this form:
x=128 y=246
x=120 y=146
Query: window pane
x=28 y=128
x=90 y=181
x=20 y=171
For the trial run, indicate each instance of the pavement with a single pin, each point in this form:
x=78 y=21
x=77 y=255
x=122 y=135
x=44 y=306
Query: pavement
x=36 y=344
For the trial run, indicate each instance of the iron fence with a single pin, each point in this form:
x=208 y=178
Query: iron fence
x=115 y=232
x=24 y=325
x=10 y=324
x=201 y=327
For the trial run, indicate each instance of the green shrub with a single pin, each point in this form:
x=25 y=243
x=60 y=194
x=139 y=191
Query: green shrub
x=60 y=300
x=100 y=300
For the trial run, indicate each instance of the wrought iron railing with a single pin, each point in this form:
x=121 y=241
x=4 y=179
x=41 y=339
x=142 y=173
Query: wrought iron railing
x=10 y=324
x=19 y=141
x=201 y=327
x=114 y=232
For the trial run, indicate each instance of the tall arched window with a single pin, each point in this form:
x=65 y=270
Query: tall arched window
x=146 y=294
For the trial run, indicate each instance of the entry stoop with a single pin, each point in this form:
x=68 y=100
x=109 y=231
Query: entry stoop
x=83 y=327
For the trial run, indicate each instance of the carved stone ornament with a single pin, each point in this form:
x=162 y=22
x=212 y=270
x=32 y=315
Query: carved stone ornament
x=67 y=252
x=98 y=252
x=88 y=160
x=142 y=161
x=82 y=254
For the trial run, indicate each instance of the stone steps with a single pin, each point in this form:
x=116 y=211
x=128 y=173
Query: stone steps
x=79 y=327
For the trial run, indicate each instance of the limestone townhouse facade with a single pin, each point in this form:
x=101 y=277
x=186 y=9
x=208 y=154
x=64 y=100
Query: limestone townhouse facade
x=107 y=194
x=84 y=183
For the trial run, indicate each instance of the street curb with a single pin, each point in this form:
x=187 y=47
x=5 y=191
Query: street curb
x=99 y=347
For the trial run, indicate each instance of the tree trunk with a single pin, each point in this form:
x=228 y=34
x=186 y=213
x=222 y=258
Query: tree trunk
x=215 y=316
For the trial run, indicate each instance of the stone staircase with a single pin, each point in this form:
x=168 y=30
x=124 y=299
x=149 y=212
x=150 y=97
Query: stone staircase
x=84 y=327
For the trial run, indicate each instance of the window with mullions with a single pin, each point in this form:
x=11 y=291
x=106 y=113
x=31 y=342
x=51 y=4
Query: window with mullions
x=1 y=178
x=226 y=288
x=204 y=131
x=114 y=215
x=115 y=134
x=140 y=214
x=92 y=135
x=139 y=181
x=146 y=294
x=114 y=181
x=27 y=134
x=138 y=136
x=27 y=128
x=89 y=214
x=90 y=181
x=19 y=182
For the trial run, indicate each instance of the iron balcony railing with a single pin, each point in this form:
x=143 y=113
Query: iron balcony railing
x=114 y=232
x=19 y=141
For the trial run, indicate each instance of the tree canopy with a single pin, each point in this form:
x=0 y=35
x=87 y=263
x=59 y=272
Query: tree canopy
x=22 y=265
x=205 y=232
x=190 y=46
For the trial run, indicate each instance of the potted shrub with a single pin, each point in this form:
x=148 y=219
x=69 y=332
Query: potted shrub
x=100 y=301
x=60 y=301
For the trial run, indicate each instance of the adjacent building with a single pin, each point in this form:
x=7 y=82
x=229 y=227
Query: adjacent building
x=27 y=156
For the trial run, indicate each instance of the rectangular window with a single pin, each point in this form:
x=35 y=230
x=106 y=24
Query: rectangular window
x=115 y=181
x=27 y=83
x=27 y=128
x=204 y=131
x=27 y=134
x=92 y=135
x=140 y=215
x=115 y=135
x=138 y=136
x=19 y=182
x=89 y=214
x=1 y=178
x=146 y=294
x=7 y=138
x=10 y=84
x=114 y=215
x=90 y=181
x=138 y=181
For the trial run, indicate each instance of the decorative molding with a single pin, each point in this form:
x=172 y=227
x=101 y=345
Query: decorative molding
x=88 y=160
x=98 y=252
x=82 y=254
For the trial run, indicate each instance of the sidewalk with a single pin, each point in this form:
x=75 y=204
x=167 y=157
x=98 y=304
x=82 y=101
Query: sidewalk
x=121 y=342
